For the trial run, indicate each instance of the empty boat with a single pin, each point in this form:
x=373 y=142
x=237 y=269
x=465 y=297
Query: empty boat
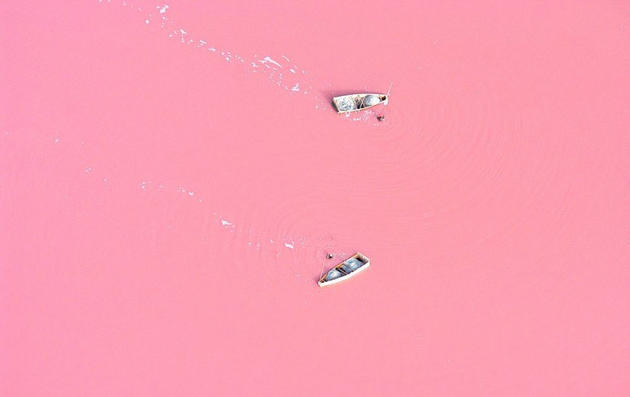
x=346 y=269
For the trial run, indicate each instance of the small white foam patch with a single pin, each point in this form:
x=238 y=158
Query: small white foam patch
x=256 y=243
x=281 y=71
x=268 y=59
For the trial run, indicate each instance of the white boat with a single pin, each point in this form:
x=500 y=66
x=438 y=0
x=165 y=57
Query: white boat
x=346 y=269
x=355 y=102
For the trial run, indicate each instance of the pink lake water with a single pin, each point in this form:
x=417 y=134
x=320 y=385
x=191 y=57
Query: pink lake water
x=173 y=175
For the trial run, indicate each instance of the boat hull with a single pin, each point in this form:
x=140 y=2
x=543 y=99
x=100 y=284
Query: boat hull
x=366 y=263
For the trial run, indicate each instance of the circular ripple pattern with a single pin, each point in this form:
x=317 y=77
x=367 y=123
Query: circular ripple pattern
x=438 y=158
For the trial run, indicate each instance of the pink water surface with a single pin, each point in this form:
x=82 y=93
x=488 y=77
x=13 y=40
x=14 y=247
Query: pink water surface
x=172 y=178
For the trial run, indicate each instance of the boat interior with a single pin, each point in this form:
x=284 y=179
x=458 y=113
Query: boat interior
x=348 y=103
x=360 y=100
x=346 y=267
